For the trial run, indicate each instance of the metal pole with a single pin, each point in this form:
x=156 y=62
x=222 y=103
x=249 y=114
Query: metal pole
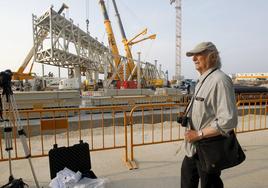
x=139 y=70
x=12 y=108
x=22 y=136
x=59 y=72
x=43 y=70
x=51 y=32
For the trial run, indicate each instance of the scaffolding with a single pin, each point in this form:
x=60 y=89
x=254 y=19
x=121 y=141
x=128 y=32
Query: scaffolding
x=59 y=42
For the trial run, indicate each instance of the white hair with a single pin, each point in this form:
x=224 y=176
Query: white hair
x=214 y=59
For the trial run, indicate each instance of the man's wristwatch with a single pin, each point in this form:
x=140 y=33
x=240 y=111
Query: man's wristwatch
x=200 y=134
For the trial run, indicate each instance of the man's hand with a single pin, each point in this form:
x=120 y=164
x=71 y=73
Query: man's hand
x=191 y=136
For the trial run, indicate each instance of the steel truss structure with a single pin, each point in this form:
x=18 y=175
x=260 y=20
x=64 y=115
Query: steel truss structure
x=58 y=42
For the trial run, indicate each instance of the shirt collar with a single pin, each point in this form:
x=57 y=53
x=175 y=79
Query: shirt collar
x=201 y=78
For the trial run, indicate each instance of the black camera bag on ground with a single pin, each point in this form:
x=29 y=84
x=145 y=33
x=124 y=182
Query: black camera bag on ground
x=219 y=152
x=75 y=158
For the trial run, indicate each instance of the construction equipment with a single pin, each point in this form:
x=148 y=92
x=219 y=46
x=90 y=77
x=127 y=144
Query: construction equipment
x=252 y=77
x=19 y=74
x=128 y=72
x=178 y=77
x=131 y=72
x=156 y=83
x=111 y=40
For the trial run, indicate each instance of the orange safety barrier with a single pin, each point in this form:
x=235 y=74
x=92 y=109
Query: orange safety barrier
x=53 y=124
x=155 y=124
x=104 y=128
x=252 y=115
x=254 y=110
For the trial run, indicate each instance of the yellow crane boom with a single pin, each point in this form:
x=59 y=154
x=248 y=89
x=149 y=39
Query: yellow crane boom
x=130 y=62
x=111 y=39
x=129 y=43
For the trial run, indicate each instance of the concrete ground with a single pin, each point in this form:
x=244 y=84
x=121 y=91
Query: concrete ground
x=159 y=166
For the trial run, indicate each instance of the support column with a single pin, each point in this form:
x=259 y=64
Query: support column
x=59 y=71
x=125 y=71
x=43 y=70
x=89 y=79
x=89 y=75
x=96 y=76
x=70 y=73
x=105 y=72
x=77 y=74
x=139 y=71
x=43 y=74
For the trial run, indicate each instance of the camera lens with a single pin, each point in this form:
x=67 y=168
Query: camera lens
x=179 y=119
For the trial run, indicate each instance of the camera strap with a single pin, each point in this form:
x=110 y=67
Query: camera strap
x=1 y=108
x=190 y=104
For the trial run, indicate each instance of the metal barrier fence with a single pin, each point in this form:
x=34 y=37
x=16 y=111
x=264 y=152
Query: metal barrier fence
x=252 y=116
x=250 y=96
x=105 y=128
x=154 y=124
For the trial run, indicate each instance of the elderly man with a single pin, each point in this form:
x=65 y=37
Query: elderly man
x=211 y=112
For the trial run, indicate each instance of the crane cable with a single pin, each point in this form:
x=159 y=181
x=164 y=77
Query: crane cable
x=138 y=20
x=148 y=50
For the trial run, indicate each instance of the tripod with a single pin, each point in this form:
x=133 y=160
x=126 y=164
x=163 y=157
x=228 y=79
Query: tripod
x=11 y=114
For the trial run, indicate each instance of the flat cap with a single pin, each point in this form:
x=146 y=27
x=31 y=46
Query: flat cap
x=203 y=46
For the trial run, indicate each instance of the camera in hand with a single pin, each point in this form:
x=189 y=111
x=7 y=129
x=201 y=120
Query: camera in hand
x=183 y=120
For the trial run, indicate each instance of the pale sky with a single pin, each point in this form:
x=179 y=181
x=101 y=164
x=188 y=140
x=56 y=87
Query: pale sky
x=238 y=28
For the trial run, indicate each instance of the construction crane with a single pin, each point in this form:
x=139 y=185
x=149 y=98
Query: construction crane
x=130 y=72
x=19 y=74
x=111 y=39
x=177 y=75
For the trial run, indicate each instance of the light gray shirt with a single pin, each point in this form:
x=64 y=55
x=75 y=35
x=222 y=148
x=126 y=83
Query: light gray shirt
x=214 y=105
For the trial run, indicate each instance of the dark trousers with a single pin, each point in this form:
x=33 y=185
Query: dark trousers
x=191 y=173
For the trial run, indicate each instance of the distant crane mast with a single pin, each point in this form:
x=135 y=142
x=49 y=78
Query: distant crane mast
x=177 y=75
